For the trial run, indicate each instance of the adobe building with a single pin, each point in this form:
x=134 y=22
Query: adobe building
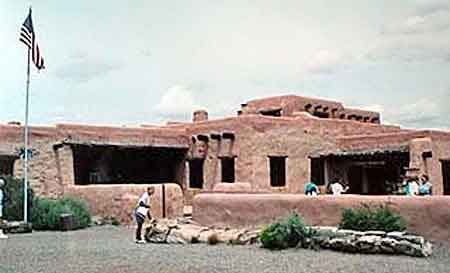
x=272 y=145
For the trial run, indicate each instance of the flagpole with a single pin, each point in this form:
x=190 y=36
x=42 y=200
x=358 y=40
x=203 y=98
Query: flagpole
x=25 y=163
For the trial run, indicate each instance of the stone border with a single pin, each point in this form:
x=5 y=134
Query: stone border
x=185 y=231
x=372 y=242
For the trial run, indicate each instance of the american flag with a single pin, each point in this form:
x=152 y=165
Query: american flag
x=28 y=37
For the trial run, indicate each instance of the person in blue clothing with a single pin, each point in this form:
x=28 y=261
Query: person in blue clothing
x=2 y=199
x=425 y=187
x=311 y=188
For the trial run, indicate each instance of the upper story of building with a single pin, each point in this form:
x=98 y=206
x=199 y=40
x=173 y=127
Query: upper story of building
x=290 y=105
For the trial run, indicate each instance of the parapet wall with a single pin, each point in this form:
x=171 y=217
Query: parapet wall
x=426 y=216
x=119 y=201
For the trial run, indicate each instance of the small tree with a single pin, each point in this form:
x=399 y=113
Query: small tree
x=13 y=199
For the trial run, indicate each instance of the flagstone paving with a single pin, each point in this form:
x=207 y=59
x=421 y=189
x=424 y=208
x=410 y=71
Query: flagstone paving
x=111 y=249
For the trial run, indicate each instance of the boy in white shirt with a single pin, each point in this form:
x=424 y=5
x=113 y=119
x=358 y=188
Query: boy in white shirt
x=143 y=210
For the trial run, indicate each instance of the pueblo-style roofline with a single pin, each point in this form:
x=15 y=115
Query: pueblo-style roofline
x=289 y=105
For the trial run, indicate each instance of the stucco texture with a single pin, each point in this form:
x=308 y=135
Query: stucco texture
x=427 y=216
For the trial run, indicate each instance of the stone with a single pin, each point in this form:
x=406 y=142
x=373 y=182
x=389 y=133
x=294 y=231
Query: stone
x=375 y=233
x=157 y=232
x=248 y=237
x=346 y=232
x=396 y=234
x=177 y=237
x=427 y=249
x=337 y=243
x=408 y=248
x=228 y=236
x=415 y=239
x=325 y=231
x=97 y=220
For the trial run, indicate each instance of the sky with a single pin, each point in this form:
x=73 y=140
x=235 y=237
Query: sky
x=148 y=62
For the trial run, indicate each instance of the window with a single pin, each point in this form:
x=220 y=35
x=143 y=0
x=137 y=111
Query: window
x=277 y=171
x=7 y=165
x=446 y=176
x=272 y=112
x=317 y=171
x=196 y=173
x=108 y=164
x=227 y=169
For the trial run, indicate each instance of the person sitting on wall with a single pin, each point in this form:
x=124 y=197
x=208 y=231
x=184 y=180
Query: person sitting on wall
x=426 y=187
x=311 y=189
x=337 y=188
x=412 y=187
x=143 y=210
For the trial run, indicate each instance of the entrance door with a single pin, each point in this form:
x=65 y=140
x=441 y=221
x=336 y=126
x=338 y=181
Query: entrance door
x=376 y=178
x=355 y=179
x=446 y=176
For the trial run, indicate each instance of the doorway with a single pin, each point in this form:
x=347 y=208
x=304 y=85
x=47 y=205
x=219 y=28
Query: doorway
x=446 y=176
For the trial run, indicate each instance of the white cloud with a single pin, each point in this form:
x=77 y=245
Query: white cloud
x=420 y=34
x=177 y=102
x=425 y=112
x=325 y=62
x=80 y=67
x=417 y=24
x=373 y=107
x=408 y=49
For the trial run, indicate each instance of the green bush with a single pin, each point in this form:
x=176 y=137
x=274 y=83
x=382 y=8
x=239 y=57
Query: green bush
x=368 y=218
x=286 y=233
x=46 y=213
x=13 y=199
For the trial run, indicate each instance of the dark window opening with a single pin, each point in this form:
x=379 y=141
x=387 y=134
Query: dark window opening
x=277 y=171
x=273 y=113
x=227 y=164
x=320 y=114
x=118 y=165
x=317 y=171
x=196 y=173
x=7 y=165
x=377 y=175
x=446 y=176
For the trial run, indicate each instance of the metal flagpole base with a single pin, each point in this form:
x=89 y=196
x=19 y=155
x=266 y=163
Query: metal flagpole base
x=2 y=235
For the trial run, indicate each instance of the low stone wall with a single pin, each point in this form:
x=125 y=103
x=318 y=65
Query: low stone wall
x=119 y=201
x=427 y=216
x=184 y=231
x=372 y=242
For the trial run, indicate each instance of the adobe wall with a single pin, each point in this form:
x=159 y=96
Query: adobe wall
x=119 y=201
x=441 y=151
x=427 y=216
x=257 y=137
x=43 y=173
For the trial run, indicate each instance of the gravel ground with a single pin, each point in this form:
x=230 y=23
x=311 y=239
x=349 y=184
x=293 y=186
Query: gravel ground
x=111 y=249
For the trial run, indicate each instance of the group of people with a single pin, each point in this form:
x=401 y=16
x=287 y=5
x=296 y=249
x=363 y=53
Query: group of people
x=413 y=186
x=335 y=188
x=418 y=186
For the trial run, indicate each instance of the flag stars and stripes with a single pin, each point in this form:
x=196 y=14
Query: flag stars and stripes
x=28 y=37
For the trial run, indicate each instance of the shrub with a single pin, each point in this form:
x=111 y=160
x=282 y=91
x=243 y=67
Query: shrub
x=79 y=209
x=46 y=213
x=13 y=199
x=367 y=218
x=286 y=233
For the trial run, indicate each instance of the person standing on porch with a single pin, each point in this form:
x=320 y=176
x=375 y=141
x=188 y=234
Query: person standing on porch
x=142 y=211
